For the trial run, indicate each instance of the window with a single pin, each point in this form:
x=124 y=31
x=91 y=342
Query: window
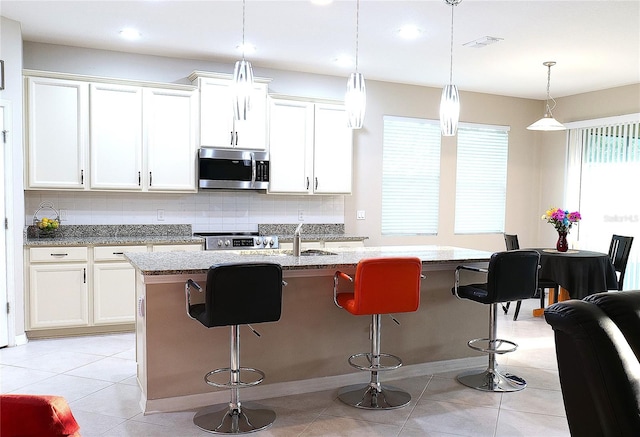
x=481 y=179
x=410 y=176
x=603 y=176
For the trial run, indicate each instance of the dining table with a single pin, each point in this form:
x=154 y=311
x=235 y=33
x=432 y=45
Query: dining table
x=578 y=273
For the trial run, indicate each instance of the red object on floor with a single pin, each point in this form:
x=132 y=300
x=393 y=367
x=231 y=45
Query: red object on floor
x=36 y=416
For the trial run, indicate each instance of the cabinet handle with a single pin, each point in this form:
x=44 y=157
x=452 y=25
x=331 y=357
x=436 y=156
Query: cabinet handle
x=59 y=254
x=118 y=253
x=141 y=306
x=81 y=177
x=231 y=141
x=316 y=184
x=307 y=182
x=139 y=179
x=237 y=138
x=84 y=275
x=150 y=179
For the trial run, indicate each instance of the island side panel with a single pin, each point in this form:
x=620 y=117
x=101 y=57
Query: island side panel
x=313 y=338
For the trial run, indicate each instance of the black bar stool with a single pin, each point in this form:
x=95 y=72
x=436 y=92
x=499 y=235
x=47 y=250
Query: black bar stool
x=511 y=276
x=236 y=294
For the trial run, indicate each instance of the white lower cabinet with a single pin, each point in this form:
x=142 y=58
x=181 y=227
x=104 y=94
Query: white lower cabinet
x=84 y=287
x=58 y=291
x=114 y=285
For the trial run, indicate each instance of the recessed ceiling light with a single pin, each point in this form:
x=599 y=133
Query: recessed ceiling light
x=130 y=33
x=409 y=31
x=248 y=48
x=482 y=42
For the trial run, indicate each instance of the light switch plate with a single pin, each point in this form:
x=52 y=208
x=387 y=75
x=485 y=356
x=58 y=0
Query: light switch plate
x=360 y=215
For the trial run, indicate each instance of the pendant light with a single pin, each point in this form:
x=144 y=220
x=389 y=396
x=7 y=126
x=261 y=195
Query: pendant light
x=450 y=100
x=242 y=81
x=355 y=99
x=547 y=122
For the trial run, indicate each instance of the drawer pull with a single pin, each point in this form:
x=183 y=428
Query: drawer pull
x=59 y=254
x=118 y=253
x=141 y=306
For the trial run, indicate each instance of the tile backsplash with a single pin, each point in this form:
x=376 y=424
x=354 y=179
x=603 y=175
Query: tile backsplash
x=205 y=211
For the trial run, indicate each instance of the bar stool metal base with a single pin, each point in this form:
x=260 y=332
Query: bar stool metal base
x=220 y=419
x=369 y=397
x=493 y=381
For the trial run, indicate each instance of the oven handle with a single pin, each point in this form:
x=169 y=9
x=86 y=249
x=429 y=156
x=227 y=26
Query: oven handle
x=253 y=169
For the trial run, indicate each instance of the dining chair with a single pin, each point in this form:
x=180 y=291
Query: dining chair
x=511 y=243
x=619 y=254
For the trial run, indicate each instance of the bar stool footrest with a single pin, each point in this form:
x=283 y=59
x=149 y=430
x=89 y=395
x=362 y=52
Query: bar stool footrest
x=220 y=419
x=231 y=384
x=492 y=350
x=396 y=362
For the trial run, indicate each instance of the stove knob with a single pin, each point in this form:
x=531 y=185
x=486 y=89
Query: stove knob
x=227 y=243
x=258 y=241
x=219 y=243
x=268 y=242
x=271 y=242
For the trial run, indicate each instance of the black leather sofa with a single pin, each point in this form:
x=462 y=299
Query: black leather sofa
x=598 y=351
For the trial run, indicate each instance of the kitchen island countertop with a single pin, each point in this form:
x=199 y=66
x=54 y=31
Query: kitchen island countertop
x=175 y=263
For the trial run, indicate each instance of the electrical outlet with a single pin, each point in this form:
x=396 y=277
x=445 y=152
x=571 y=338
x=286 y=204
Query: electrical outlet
x=64 y=216
x=300 y=215
x=161 y=215
x=360 y=214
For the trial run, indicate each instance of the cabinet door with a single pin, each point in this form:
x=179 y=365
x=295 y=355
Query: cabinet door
x=170 y=140
x=333 y=155
x=290 y=146
x=216 y=114
x=217 y=126
x=114 y=293
x=252 y=132
x=58 y=295
x=56 y=133
x=116 y=137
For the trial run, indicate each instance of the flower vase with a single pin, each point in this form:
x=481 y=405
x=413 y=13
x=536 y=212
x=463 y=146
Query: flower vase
x=562 y=245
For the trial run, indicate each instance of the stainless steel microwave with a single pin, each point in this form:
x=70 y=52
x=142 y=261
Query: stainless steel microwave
x=233 y=169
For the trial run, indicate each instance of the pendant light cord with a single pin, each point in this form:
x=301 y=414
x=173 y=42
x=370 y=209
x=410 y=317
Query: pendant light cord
x=451 y=48
x=243 y=17
x=549 y=109
x=357 y=30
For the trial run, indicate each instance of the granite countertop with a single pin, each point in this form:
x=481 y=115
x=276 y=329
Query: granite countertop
x=175 y=263
x=309 y=232
x=117 y=235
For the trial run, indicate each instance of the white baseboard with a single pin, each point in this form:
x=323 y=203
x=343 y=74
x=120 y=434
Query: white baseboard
x=263 y=391
x=21 y=339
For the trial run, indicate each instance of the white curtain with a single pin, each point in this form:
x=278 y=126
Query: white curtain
x=604 y=176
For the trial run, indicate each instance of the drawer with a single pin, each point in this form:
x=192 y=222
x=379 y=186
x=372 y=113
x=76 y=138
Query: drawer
x=57 y=254
x=114 y=253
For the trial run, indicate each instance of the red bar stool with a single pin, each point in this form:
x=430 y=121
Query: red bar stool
x=381 y=286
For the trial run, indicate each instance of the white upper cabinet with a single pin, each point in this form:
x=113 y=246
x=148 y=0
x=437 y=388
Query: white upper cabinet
x=217 y=125
x=332 y=151
x=116 y=137
x=290 y=156
x=57 y=133
x=170 y=120
x=310 y=148
x=110 y=135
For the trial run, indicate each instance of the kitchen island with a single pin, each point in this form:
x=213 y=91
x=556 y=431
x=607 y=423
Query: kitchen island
x=307 y=349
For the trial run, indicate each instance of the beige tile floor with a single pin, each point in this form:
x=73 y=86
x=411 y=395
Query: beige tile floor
x=97 y=377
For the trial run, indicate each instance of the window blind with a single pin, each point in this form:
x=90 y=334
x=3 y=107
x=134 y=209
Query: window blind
x=410 y=176
x=481 y=179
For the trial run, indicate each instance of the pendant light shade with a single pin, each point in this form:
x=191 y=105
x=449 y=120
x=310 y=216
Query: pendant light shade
x=355 y=99
x=547 y=122
x=450 y=100
x=449 y=110
x=242 y=89
x=242 y=82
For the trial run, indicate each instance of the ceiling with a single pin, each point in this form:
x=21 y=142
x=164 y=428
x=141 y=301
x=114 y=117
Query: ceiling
x=596 y=44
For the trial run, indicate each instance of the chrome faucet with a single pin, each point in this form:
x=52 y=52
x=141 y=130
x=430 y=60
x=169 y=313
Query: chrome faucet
x=296 y=241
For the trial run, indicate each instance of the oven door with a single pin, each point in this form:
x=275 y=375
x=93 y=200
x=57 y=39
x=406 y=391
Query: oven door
x=233 y=169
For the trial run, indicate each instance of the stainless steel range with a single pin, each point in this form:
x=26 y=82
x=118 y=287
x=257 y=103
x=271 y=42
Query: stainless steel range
x=237 y=241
